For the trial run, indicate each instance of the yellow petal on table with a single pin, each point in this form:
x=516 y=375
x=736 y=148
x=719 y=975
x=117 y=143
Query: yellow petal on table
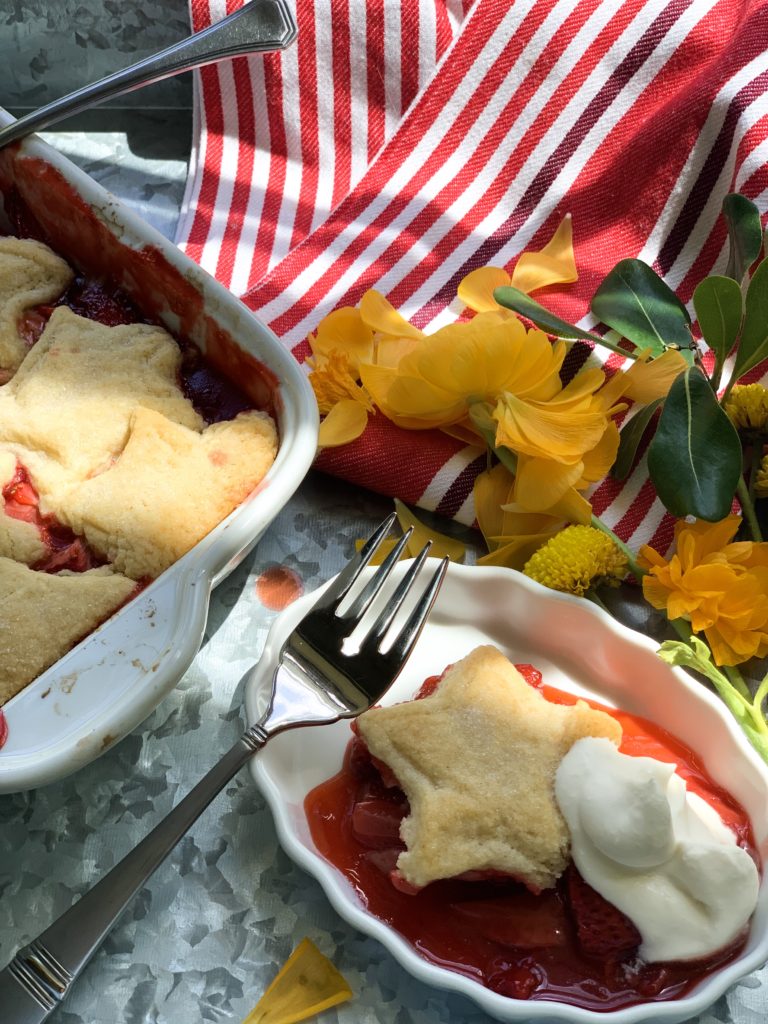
x=476 y=289
x=598 y=461
x=343 y=329
x=306 y=985
x=382 y=317
x=442 y=545
x=554 y=264
x=344 y=423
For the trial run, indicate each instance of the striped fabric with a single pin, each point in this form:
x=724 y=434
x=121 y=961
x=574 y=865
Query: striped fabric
x=425 y=138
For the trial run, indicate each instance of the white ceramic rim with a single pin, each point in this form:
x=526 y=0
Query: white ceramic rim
x=594 y=628
x=178 y=600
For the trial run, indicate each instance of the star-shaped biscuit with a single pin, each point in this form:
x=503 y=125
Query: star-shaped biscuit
x=477 y=761
x=67 y=410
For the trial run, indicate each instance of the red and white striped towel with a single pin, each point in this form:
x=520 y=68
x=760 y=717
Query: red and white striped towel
x=402 y=143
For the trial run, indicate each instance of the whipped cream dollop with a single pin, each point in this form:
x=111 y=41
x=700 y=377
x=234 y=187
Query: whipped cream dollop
x=660 y=854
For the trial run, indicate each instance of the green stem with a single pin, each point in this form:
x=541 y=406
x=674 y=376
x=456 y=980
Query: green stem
x=760 y=695
x=748 y=510
x=593 y=596
x=736 y=680
x=634 y=568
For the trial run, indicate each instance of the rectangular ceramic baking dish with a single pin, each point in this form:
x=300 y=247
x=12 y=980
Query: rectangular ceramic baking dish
x=111 y=681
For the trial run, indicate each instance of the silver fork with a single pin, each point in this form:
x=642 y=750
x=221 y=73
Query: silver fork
x=315 y=683
x=259 y=27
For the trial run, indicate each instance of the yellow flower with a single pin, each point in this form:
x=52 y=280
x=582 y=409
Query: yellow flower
x=761 y=479
x=719 y=586
x=461 y=364
x=747 y=407
x=511 y=534
x=554 y=264
x=576 y=559
x=307 y=984
x=340 y=398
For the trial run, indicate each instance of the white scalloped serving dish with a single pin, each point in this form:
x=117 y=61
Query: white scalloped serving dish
x=110 y=682
x=578 y=648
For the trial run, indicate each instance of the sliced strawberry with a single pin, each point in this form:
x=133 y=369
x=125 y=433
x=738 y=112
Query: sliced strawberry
x=376 y=823
x=602 y=930
x=524 y=921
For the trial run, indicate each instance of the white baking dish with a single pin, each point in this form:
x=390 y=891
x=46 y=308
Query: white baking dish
x=111 y=681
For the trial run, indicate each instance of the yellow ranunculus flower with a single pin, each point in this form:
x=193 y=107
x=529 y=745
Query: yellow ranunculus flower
x=464 y=363
x=720 y=587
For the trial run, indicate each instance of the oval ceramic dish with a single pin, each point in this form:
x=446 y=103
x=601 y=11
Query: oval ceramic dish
x=578 y=648
x=111 y=681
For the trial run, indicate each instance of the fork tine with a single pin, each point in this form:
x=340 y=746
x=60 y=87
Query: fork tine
x=414 y=624
x=410 y=630
x=335 y=594
x=363 y=601
x=384 y=621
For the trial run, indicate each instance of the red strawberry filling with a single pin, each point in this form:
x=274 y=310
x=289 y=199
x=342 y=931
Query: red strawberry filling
x=567 y=944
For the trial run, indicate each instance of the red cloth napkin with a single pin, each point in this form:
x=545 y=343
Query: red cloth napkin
x=400 y=144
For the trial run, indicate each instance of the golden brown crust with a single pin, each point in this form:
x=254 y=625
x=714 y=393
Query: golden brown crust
x=66 y=412
x=169 y=488
x=30 y=274
x=477 y=761
x=42 y=615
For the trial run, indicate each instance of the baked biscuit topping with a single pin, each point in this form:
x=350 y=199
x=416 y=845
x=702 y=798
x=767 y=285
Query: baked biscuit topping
x=65 y=608
x=67 y=410
x=30 y=273
x=477 y=761
x=103 y=457
x=132 y=513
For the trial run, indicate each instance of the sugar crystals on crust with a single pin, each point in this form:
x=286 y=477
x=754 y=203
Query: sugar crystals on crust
x=67 y=410
x=169 y=488
x=43 y=614
x=477 y=761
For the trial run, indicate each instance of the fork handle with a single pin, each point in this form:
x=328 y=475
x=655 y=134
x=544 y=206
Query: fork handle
x=258 y=27
x=42 y=973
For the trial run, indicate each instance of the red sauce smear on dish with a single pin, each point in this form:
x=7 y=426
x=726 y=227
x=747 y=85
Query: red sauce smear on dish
x=494 y=930
x=3 y=729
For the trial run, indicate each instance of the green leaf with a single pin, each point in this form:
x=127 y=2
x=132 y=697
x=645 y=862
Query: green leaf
x=718 y=304
x=694 y=458
x=635 y=302
x=753 y=346
x=521 y=303
x=745 y=234
x=630 y=437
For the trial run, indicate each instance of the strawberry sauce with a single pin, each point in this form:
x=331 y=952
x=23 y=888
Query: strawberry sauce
x=567 y=944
